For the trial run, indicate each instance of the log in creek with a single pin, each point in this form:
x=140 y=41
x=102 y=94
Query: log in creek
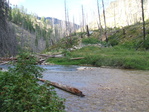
x=69 y=89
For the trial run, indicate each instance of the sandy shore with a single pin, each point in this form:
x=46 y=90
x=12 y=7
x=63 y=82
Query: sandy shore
x=106 y=90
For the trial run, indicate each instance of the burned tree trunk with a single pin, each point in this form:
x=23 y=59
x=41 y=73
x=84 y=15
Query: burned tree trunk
x=87 y=30
x=142 y=7
x=99 y=26
x=104 y=15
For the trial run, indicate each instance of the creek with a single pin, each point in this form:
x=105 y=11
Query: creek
x=105 y=89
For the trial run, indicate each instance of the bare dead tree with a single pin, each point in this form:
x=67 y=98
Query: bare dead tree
x=74 y=29
x=144 y=30
x=87 y=30
x=99 y=20
x=65 y=16
x=104 y=15
x=69 y=24
x=114 y=16
x=83 y=22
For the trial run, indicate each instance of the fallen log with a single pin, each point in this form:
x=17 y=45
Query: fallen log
x=77 y=58
x=3 y=63
x=8 y=59
x=51 y=56
x=69 y=89
x=41 y=61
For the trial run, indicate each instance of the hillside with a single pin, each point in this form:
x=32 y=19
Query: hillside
x=121 y=13
x=34 y=33
x=129 y=36
x=125 y=49
x=26 y=40
x=58 y=22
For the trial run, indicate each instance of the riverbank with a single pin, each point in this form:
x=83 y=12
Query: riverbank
x=106 y=90
x=117 y=57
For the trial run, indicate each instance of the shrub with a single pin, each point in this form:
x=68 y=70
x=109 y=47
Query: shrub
x=113 y=42
x=20 y=92
x=146 y=43
x=65 y=43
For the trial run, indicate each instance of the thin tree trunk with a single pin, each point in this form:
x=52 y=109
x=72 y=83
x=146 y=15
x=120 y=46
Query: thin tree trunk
x=99 y=26
x=87 y=30
x=142 y=7
x=83 y=19
x=66 y=25
x=114 y=16
x=105 y=21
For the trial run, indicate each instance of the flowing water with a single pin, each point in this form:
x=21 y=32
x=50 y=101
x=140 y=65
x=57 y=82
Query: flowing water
x=105 y=89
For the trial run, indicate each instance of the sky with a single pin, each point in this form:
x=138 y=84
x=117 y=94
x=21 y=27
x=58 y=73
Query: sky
x=56 y=8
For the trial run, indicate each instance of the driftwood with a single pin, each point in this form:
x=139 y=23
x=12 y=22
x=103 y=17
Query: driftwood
x=51 y=56
x=77 y=58
x=8 y=59
x=41 y=61
x=43 y=57
x=4 y=62
x=69 y=89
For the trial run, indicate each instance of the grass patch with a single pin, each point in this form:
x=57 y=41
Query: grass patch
x=115 y=57
x=90 y=40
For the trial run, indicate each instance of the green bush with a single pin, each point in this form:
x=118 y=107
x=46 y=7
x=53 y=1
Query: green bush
x=113 y=42
x=20 y=92
x=146 y=43
x=65 y=43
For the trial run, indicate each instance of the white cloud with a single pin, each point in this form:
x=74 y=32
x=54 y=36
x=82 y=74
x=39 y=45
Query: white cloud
x=15 y=2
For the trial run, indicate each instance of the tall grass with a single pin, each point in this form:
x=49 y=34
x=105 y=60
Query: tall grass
x=115 y=57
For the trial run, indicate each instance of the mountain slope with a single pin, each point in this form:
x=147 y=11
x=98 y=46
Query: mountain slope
x=56 y=21
x=122 y=13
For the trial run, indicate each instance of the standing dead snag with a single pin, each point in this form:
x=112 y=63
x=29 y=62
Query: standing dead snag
x=143 y=20
x=83 y=21
x=99 y=24
x=69 y=89
x=87 y=30
x=105 y=21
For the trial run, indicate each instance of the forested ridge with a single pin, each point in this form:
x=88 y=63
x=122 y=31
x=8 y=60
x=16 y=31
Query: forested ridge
x=8 y=41
x=40 y=31
x=31 y=33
